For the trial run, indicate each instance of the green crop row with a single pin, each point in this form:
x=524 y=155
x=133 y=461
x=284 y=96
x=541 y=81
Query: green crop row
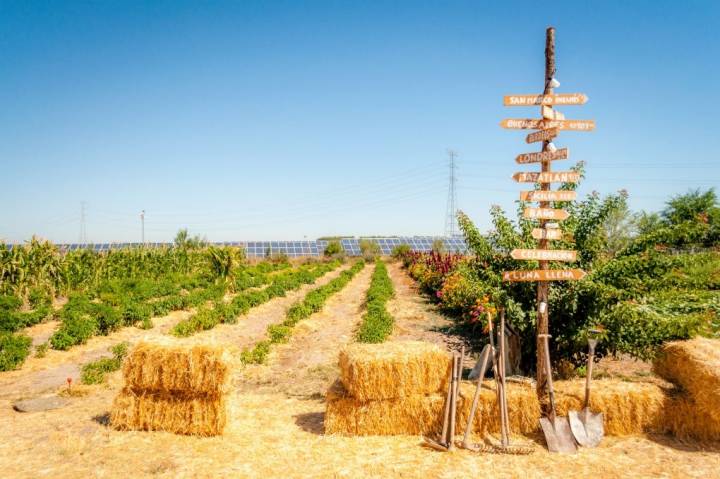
x=94 y=372
x=209 y=317
x=311 y=303
x=377 y=323
x=14 y=348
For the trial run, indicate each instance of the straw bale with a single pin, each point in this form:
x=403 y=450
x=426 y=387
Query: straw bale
x=196 y=415
x=695 y=366
x=685 y=420
x=522 y=404
x=173 y=366
x=628 y=407
x=393 y=369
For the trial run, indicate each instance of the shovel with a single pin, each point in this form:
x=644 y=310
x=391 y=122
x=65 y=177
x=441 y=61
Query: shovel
x=558 y=435
x=587 y=427
x=468 y=427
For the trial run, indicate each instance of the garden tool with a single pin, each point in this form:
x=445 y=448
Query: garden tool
x=473 y=409
x=453 y=405
x=586 y=426
x=558 y=435
x=442 y=444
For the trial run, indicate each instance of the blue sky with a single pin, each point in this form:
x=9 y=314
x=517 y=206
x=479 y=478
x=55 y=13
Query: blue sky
x=284 y=120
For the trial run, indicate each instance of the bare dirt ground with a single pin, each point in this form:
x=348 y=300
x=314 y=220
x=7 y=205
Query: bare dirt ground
x=276 y=428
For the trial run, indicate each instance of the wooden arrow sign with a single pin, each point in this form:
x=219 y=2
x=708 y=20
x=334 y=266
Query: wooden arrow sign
x=544 y=275
x=546 y=195
x=540 y=156
x=545 y=214
x=547 y=177
x=544 y=254
x=533 y=124
x=542 y=135
x=547 y=233
x=549 y=114
x=559 y=99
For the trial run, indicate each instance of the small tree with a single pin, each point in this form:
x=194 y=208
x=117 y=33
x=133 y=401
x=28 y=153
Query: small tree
x=369 y=249
x=438 y=246
x=333 y=248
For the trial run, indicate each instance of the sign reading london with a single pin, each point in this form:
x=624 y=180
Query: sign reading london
x=540 y=156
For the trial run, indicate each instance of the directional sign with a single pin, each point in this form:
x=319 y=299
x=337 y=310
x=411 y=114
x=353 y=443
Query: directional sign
x=546 y=195
x=547 y=177
x=559 y=99
x=540 y=156
x=542 y=135
x=551 y=233
x=549 y=114
x=544 y=254
x=544 y=275
x=533 y=124
x=545 y=214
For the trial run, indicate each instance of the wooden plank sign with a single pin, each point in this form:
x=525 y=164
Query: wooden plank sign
x=547 y=177
x=544 y=254
x=549 y=114
x=547 y=233
x=545 y=214
x=558 y=99
x=534 y=124
x=542 y=135
x=544 y=275
x=546 y=195
x=540 y=156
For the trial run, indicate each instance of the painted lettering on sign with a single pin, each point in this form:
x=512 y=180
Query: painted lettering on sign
x=547 y=177
x=533 y=124
x=544 y=275
x=543 y=195
x=551 y=234
x=542 y=135
x=545 y=214
x=555 y=99
x=544 y=254
x=540 y=156
x=549 y=114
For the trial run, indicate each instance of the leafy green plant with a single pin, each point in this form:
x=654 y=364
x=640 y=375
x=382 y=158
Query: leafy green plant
x=41 y=350
x=369 y=249
x=14 y=348
x=400 y=251
x=333 y=248
x=377 y=322
x=95 y=372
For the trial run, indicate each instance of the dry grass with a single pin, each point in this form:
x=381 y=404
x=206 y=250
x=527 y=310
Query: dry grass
x=393 y=369
x=695 y=366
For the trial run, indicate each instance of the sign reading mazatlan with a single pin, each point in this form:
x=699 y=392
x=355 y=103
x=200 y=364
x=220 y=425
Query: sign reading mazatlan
x=535 y=124
x=547 y=177
x=544 y=275
x=548 y=195
x=544 y=255
x=540 y=156
x=552 y=99
x=542 y=135
x=545 y=214
x=547 y=233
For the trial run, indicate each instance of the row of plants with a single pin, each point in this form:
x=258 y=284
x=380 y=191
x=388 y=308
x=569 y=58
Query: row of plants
x=312 y=303
x=207 y=317
x=14 y=315
x=95 y=372
x=377 y=322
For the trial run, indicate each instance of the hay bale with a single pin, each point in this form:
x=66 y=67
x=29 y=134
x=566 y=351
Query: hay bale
x=628 y=407
x=695 y=366
x=522 y=404
x=393 y=369
x=173 y=366
x=161 y=411
x=684 y=420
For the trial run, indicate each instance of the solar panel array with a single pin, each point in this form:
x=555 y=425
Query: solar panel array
x=295 y=249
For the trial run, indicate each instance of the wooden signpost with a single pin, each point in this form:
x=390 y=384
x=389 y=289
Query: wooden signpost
x=551 y=99
x=540 y=156
x=550 y=124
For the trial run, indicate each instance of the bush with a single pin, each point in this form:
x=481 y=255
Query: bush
x=14 y=348
x=400 y=251
x=94 y=372
x=369 y=249
x=333 y=248
x=438 y=246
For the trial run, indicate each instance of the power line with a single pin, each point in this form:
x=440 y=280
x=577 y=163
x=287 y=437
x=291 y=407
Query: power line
x=450 y=221
x=83 y=230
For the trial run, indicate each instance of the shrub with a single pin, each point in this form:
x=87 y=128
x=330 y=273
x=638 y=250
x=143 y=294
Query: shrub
x=438 y=246
x=333 y=248
x=94 y=372
x=400 y=251
x=14 y=348
x=369 y=249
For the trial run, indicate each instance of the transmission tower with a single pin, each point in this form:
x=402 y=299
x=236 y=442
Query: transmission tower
x=83 y=231
x=450 y=215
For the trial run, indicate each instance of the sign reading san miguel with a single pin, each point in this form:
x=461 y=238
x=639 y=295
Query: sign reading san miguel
x=540 y=156
x=544 y=275
x=551 y=234
x=542 y=135
x=547 y=195
x=547 y=177
x=531 y=100
x=544 y=254
x=534 y=124
x=545 y=214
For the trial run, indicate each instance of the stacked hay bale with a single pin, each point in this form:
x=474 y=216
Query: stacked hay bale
x=694 y=365
x=174 y=387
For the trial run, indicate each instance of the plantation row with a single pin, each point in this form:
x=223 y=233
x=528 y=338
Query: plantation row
x=377 y=323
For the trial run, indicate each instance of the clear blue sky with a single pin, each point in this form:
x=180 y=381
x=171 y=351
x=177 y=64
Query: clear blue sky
x=279 y=120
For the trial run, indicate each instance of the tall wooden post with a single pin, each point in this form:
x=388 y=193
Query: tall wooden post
x=543 y=286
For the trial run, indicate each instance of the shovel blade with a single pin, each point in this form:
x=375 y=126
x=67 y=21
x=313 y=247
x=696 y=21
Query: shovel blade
x=558 y=435
x=587 y=427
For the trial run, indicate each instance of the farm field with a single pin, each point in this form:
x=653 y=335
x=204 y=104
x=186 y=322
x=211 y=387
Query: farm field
x=276 y=424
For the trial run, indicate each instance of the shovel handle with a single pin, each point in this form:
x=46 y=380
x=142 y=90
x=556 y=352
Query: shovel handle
x=476 y=397
x=588 y=377
x=548 y=373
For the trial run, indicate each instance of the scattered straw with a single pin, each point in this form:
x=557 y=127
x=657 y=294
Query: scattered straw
x=393 y=370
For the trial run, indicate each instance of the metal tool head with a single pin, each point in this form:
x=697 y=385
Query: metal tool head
x=587 y=427
x=593 y=337
x=558 y=436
